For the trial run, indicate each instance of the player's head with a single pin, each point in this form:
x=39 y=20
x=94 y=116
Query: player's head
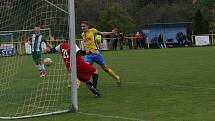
x=84 y=26
x=37 y=31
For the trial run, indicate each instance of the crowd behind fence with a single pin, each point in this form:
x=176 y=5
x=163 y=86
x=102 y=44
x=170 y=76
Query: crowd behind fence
x=129 y=41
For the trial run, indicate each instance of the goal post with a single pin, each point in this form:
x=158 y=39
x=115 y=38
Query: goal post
x=73 y=55
x=23 y=93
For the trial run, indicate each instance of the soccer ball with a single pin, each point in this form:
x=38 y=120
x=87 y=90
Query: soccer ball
x=47 y=61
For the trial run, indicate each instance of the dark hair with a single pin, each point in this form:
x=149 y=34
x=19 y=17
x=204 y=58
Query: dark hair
x=85 y=22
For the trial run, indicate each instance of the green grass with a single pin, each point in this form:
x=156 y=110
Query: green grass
x=158 y=85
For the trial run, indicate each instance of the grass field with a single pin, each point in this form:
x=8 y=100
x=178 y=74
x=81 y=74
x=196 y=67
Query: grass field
x=158 y=85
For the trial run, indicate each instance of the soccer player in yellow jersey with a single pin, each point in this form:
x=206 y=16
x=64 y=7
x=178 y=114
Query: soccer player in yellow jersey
x=90 y=46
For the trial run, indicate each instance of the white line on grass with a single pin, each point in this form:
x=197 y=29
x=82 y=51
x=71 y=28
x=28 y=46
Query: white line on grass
x=113 y=117
x=175 y=85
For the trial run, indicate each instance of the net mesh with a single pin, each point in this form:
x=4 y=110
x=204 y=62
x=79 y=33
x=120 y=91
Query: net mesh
x=22 y=92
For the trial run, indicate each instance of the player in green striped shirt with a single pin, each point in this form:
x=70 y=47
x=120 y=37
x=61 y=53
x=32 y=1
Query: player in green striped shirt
x=36 y=42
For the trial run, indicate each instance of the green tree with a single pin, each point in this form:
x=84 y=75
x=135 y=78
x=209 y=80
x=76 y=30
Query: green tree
x=213 y=17
x=201 y=26
x=115 y=16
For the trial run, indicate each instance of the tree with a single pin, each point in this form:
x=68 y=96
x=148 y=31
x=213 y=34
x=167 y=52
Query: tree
x=201 y=26
x=179 y=11
x=115 y=16
x=207 y=7
x=213 y=17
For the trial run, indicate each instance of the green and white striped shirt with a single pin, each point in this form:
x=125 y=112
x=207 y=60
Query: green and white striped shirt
x=36 y=43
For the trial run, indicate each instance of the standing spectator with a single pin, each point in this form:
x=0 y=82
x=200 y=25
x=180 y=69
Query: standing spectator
x=161 y=41
x=53 y=41
x=27 y=43
x=121 y=40
x=143 y=40
x=154 y=41
x=88 y=36
x=115 y=38
x=138 y=40
x=130 y=39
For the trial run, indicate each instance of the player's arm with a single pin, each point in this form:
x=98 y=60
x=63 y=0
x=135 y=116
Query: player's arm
x=114 y=31
x=105 y=33
x=57 y=48
x=81 y=52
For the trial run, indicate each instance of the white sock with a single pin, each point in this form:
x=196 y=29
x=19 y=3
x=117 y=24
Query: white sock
x=42 y=67
x=39 y=68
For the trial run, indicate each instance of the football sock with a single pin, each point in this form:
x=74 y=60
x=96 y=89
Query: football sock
x=92 y=89
x=78 y=82
x=42 y=67
x=113 y=74
x=89 y=83
x=95 y=78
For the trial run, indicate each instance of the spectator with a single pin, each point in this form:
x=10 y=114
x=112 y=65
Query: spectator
x=138 y=40
x=143 y=40
x=27 y=43
x=115 y=38
x=121 y=40
x=180 y=38
x=161 y=41
x=155 y=43
x=130 y=41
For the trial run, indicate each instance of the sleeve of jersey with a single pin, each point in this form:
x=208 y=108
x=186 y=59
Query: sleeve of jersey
x=77 y=48
x=80 y=52
x=57 y=48
x=95 y=31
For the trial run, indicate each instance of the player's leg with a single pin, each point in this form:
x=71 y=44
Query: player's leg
x=41 y=64
x=93 y=89
x=78 y=82
x=42 y=68
x=95 y=78
x=89 y=74
x=90 y=86
x=38 y=61
x=112 y=74
x=100 y=60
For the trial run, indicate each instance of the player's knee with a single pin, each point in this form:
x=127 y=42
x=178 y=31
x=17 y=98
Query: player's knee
x=105 y=68
x=96 y=72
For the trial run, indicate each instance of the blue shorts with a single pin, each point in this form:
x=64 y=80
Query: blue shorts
x=95 y=57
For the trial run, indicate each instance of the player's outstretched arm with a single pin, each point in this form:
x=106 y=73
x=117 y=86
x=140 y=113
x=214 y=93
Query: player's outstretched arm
x=105 y=33
x=115 y=30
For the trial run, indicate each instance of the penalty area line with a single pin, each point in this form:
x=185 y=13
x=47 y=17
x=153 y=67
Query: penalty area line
x=112 y=117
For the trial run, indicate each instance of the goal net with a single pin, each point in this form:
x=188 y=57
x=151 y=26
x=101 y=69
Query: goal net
x=23 y=93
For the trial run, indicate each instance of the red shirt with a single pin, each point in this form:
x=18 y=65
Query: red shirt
x=65 y=52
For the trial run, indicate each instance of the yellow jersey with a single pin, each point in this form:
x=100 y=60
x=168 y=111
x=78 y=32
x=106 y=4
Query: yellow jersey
x=89 y=40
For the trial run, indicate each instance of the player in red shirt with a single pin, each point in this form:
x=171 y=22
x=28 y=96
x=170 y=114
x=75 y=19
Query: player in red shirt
x=85 y=71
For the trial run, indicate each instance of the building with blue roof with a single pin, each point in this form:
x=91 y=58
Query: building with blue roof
x=169 y=30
